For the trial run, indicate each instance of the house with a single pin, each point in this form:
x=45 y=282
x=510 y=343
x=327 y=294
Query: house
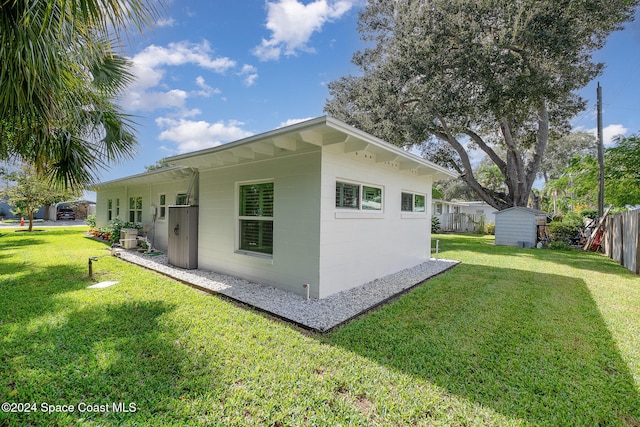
x=7 y=210
x=318 y=203
x=519 y=226
x=462 y=215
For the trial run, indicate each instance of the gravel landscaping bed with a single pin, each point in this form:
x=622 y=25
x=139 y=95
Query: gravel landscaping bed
x=318 y=314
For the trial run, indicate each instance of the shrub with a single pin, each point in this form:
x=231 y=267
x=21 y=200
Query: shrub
x=589 y=213
x=91 y=221
x=560 y=246
x=572 y=218
x=111 y=232
x=490 y=228
x=480 y=225
x=435 y=224
x=563 y=231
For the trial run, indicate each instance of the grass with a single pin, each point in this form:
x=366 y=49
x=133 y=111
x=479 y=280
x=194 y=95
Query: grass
x=510 y=337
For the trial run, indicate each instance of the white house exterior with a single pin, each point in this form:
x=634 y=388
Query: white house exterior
x=318 y=203
x=462 y=215
x=517 y=226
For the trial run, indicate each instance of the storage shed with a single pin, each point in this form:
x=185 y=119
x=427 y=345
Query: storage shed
x=518 y=226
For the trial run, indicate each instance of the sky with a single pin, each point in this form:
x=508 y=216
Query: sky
x=211 y=72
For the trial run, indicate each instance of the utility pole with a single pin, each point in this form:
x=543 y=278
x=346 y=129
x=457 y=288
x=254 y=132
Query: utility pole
x=600 y=156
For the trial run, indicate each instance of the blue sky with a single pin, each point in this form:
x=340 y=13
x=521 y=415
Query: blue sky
x=211 y=72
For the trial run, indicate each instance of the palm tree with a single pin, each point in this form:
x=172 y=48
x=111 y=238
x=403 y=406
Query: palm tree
x=59 y=75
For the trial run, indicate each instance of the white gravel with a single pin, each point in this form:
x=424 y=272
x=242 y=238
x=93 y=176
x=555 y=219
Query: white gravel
x=319 y=314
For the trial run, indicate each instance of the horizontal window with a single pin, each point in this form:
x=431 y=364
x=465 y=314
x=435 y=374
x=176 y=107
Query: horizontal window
x=355 y=196
x=256 y=199
x=371 y=198
x=411 y=202
x=347 y=195
x=256 y=236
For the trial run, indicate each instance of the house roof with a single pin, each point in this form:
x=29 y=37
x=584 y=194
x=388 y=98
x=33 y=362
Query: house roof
x=163 y=174
x=475 y=203
x=319 y=132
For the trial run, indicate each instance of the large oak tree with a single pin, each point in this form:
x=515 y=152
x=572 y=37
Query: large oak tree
x=498 y=75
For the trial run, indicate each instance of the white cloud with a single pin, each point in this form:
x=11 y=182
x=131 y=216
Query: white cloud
x=137 y=100
x=190 y=135
x=206 y=90
x=180 y=53
x=608 y=133
x=292 y=24
x=250 y=74
x=293 y=122
x=148 y=67
x=165 y=22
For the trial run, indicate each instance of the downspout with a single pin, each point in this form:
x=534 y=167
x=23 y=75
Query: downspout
x=194 y=187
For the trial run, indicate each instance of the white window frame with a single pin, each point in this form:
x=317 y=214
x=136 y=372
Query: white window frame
x=360 y=211
x=117 y=208
x=239 y=218
x=109 y=209
x=413 y=202
x=162 y=207
x=137 y=211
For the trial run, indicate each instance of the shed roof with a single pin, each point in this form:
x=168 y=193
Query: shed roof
x=523 y=209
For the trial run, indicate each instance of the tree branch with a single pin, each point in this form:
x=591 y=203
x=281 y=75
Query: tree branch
x=490 y=152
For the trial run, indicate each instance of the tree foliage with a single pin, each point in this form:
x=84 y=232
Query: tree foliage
x=60 y=74
x=29 y=191
x=561 y=151
x=495 y=75
x=578 y=183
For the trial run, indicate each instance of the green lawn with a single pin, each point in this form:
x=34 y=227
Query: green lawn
x=509 y=337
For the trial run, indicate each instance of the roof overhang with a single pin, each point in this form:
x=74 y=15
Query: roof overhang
x=159 y=175
x=318 y=132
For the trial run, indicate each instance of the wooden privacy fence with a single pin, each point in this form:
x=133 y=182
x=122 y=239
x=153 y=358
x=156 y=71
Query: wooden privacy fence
x=622 y=238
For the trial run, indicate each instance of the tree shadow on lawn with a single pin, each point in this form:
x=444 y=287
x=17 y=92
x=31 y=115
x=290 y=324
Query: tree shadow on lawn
x=33 y=293
x=529 y=345
x=99 y=354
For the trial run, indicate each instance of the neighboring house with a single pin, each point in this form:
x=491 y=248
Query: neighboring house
x=461 y=215
x=6 y=210
x=519 y=226
x=318 y=203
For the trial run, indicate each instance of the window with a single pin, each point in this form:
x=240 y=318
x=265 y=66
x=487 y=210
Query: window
x=412 y=202
x=109 y=209
x=117 y=208
x=347 y=195
x=181 y=199
x=355 y=196
x=419 y=204
x=135 y=209
x=256 y=217
x=371 y=198
x=162 y=206
x=438 y=208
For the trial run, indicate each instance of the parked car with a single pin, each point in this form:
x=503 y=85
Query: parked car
x=66 y=213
